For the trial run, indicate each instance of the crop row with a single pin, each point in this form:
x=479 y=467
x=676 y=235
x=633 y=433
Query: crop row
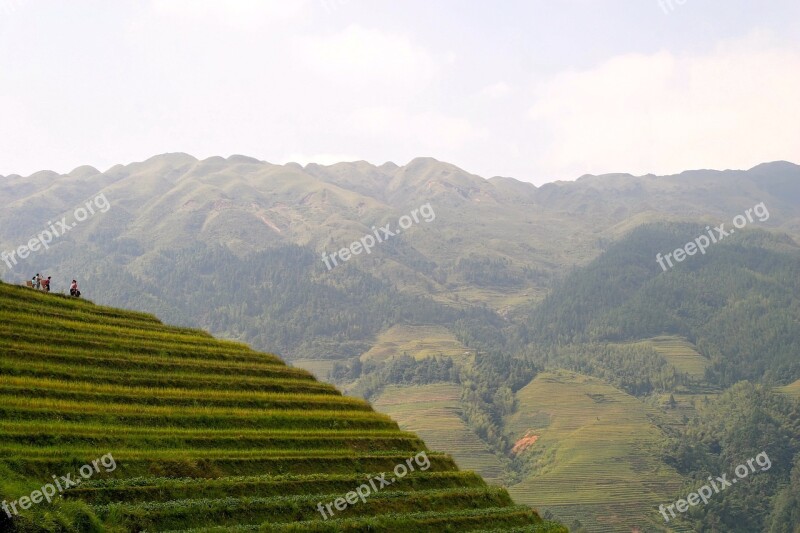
x=42 y=339
x=158 y=364
x=511 y=519
x=139 y=430
x=179 y=466
x=87 y=315
x=100 y=330
x=83 y=391
x=295 y=382
x=238 y=443
x=165 y=489
x=199 y=512
x=195 y=417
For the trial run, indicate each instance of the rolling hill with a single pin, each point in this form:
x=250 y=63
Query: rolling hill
x=434 y=413
x=164 y=428
x=738 y=303
x=595 y=441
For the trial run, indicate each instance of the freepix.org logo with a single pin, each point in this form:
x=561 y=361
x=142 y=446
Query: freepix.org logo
x=703 y=242
x=54 y=230
x=49 y=491
x=379 y=235
x=719 y=484
x=364 y=491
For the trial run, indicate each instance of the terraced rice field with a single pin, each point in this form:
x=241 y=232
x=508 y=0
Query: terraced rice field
x=684 y=357
x=433 y=412
x=681 y=354
x=417 y=341
x=596 y=445
x=792 y=389
x=203 y=435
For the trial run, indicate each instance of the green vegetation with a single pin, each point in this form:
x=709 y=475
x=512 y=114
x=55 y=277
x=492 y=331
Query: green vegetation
x=289 y=303
x=417 y=341
x=527 y=280
x=203 y=433
x=739 y=303
x=595 y=456
x=673 y=351
x=682 y=355
x=793 y=389
x=744 y=421
x=681 y=341
x=434 y=413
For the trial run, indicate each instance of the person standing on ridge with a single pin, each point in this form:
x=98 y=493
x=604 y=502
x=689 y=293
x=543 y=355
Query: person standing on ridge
x=73 y=289
x=46 y=284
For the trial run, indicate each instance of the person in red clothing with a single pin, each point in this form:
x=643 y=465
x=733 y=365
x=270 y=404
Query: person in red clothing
x=46 y=284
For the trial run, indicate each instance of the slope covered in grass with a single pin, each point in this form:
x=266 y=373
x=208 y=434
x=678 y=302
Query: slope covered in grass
x=594 y=445
x=416 y=341
x=202 y=434
x=792 y=389
x=434 y=412
x=681 y=354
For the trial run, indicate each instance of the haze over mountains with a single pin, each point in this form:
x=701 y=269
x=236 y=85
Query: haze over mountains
x=173 y=201
x=470 y=324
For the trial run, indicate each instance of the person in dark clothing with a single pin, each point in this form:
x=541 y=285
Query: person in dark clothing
x=73 y=289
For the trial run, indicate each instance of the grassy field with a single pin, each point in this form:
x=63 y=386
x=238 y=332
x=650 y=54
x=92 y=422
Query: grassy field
x=417 y=341
x=792 y=389
x=433 y=412
x=685 y=402
x=204 y=435
x=596 y=445
x=501 y=300
x=680 y=353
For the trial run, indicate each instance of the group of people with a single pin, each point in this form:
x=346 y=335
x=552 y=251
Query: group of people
x=40 y=283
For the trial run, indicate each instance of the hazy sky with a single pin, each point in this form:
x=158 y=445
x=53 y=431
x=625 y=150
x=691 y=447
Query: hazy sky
x=537 y=90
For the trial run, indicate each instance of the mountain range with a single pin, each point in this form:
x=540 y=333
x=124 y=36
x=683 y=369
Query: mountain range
x=473 y=319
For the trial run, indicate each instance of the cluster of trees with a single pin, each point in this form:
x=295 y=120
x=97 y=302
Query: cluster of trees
x=742 y=423
x=400 y=370
x=489 y=383
x=281 y=300
x=638 y=370
x=492 y=272
x=739 y=303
